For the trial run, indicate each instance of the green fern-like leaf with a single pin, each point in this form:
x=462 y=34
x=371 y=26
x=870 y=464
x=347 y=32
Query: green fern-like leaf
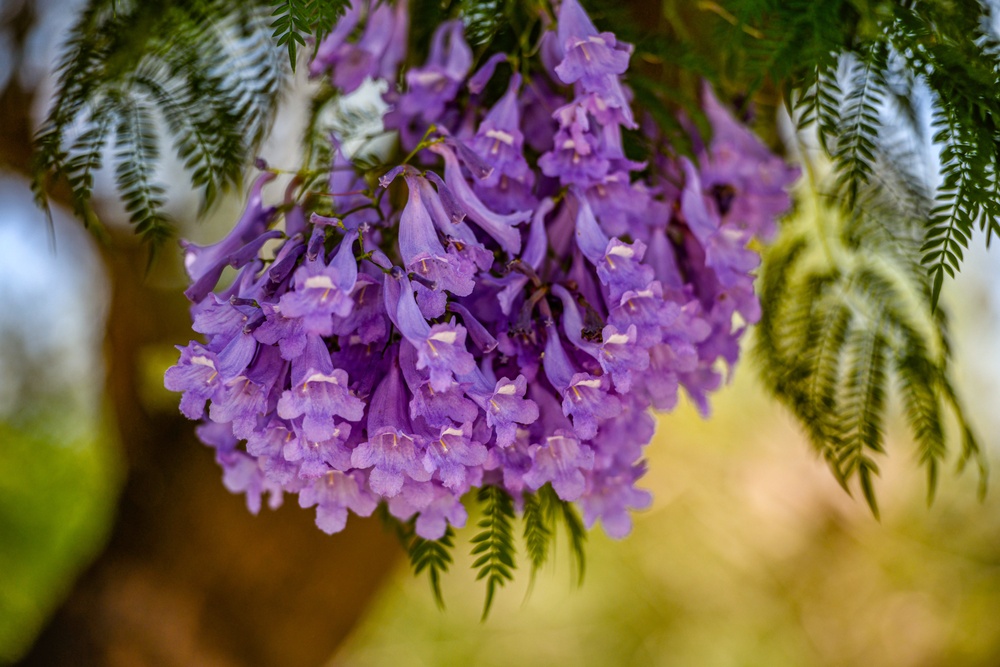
x=435 y=557
x=845 y=311
x=577 y=539
x=817 y=99
x=87 y=157
x=291 y=22
x=205 y=71
x=953 y=218
x=483 y=20
x=923 y=408
x=558 y=510
x=863 y=406
x=857 y=134
x=295 y=20
x=137 y=151
x=538 y=531
x=494 y=545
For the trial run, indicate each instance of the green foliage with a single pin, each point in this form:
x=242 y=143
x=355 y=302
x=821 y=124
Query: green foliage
x=205 y=71
x=846 y=310
x=494 y=545
x=295 y=20
x=558 y=510
x=538 y=530
x=435 y=557
x=484 y=20
x=543 y=511
x=136 y=147
x=853 y=68
x=857 y=134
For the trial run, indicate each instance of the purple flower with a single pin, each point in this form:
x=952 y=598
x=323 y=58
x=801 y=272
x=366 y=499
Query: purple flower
x=446 y=508
x=218 y=436
x=377 y=53
x=499 y=140
x=423 y=253
x=620 y=356
x=560 y=459
x=477 y=82
x=333 y=494
x=449 y=219
x=217 y=316
x=319 y=393
x=588 y=401
x=322 y=291
x=612 y=497
x=267 y=445
x=532 y=257
x=575 y=157
x=451 y=453
x=391 y=449
x=594 y=61
x=246 y=397
x=200 y=260
x=481 y=337
x=500 y=227
x=365 y=59
x=590 y=238
x=537 y=103
x=622 y=270
x=512 y=462
x=504 y=404
x=663 y=258
x=242 y=474
x=647 y=310
x=748 y=182
x=316 y=458
x=620 y=204
x=331 y=50
x=589 y=56
x=409 y=350
x=435 y=84
x=367 y=320
x=622 y=439
x=197 y=375
x=443 y=353
x=285 y=332
x=440 y=348
x=585 y=396
x=725 y=248
x=436 y=505
x=436 y=408
x=661 y=383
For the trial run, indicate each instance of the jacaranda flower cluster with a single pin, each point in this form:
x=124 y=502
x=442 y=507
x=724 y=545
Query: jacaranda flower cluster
x=505 y=308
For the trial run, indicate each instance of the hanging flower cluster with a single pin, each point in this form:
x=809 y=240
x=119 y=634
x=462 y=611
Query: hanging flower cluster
x=505 y=314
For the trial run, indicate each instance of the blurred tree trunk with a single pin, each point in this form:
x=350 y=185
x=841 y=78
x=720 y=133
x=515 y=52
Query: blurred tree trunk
x=189 y=576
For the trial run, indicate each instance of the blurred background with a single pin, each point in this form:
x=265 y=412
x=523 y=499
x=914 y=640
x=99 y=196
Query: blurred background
x=120 y=546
